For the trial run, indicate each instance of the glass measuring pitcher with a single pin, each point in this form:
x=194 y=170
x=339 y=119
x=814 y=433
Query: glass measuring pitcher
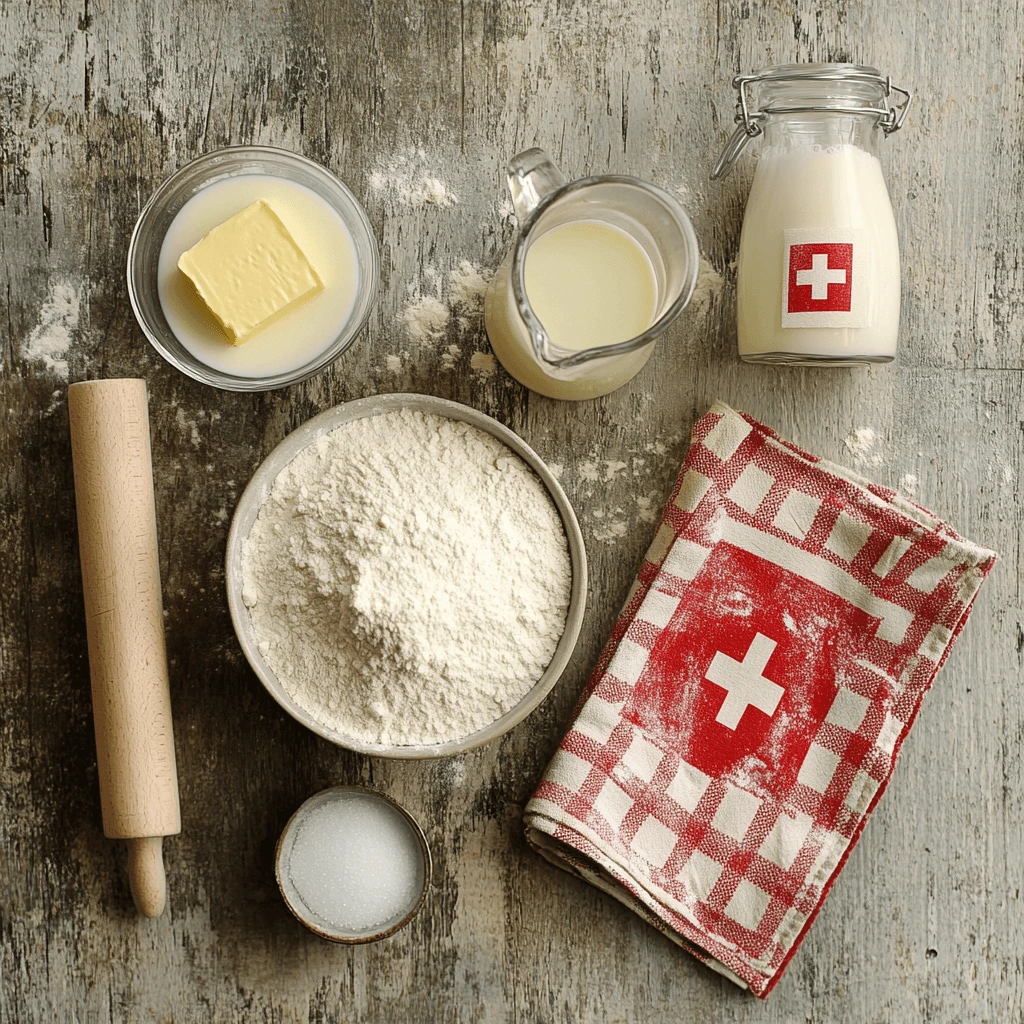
x=619 y=255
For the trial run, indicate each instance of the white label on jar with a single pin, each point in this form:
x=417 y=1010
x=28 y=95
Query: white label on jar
x=825 y=278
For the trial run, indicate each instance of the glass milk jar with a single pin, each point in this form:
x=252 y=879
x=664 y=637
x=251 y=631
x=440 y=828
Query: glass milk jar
x=818 y=273
x=600 y=267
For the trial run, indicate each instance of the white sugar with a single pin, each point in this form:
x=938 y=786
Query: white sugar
x=356 y=863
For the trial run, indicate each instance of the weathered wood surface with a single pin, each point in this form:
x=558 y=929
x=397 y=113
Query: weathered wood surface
x=100 y=102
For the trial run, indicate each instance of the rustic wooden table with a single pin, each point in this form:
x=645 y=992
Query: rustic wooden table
x=98 y=104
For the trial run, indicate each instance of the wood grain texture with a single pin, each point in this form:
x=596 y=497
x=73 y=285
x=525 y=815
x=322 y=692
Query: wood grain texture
x=118 y=549
x=98 y=103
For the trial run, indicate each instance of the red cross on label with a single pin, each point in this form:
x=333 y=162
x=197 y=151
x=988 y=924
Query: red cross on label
x=820 y=278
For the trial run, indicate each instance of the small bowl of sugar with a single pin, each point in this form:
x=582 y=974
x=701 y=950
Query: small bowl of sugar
x=352 y=865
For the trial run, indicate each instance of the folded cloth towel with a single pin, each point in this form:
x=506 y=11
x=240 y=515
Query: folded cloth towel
x=744 y=717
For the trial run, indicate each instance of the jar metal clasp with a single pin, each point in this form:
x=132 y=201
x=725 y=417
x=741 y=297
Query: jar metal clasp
x=749 y=122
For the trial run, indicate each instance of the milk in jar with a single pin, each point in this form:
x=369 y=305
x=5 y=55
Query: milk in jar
x=818 y=272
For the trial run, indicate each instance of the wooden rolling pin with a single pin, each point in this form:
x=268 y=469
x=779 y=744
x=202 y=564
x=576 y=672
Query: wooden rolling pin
x=124 y=620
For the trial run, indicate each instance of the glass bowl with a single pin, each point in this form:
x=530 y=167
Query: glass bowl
x=256 y=494
x=177 y=190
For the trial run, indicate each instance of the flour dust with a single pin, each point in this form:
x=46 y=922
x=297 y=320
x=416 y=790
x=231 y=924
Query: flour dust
x=864 y=445
x=50 y=340
x=438 y=300
x=405 y=179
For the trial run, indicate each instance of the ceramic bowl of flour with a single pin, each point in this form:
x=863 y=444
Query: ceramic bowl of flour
x=272 y=649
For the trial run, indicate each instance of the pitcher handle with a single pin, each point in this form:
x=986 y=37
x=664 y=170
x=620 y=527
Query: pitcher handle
x=531 y=176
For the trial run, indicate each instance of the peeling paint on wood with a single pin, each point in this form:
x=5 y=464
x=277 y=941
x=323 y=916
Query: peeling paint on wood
x=98 y=104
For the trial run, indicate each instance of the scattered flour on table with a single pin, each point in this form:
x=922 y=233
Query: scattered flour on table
x=49 y=341
x=404 y=178
x=708 y=285
x=467 y=284
x=188 y=427
x=908 y=484
x=483 y=363
x=646 y=510
x=436 y=299
x=430 y=191
x=425 y=318
x=614 y=529
x=408 y=579
x=863 y=445
x=56 y=401
x=453 y=772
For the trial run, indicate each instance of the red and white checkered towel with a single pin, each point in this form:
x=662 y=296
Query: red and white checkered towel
x=745 y=715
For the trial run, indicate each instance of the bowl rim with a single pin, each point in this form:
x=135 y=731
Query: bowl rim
x=421 y=838
x=208 y=375
x=256 y=492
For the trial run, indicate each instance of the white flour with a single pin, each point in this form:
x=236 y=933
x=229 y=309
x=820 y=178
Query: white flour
x=408 y=579
x=430 y=191
x=908 y=484
x=484 y=364
x=51 y=338
x=863 y=444
x=429 y=308
x=708 y=286
x=467 y=284
x=425 y=318
x=404 y=180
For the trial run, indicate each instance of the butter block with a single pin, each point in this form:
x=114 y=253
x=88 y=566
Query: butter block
x=249 y=271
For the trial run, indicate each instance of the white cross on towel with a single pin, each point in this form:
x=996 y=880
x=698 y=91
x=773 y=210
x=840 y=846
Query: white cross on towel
x=744 y=682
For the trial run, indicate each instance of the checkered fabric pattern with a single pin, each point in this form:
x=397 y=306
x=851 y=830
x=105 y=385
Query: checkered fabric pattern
x=745 y=715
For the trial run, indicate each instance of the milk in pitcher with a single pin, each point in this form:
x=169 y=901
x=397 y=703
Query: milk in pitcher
x=599 y=269
x=591 y=284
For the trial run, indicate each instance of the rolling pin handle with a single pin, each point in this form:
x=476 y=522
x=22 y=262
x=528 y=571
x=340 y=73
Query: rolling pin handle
x=146 y=875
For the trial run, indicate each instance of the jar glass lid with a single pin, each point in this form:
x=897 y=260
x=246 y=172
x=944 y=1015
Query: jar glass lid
x=787 y=89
